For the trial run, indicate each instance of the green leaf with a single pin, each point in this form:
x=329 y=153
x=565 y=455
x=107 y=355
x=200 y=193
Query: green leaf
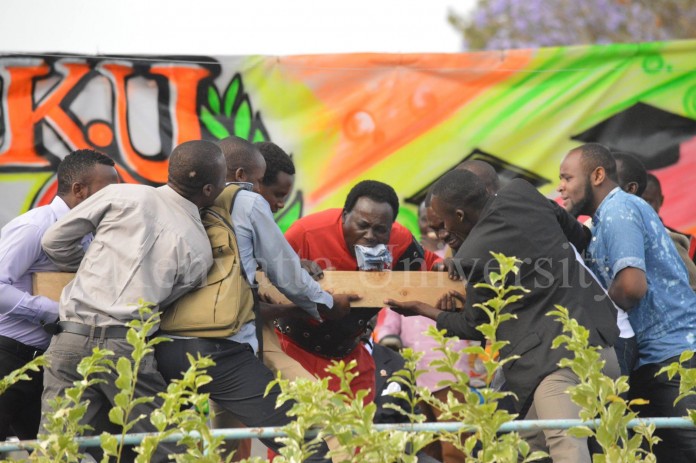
x=494 y=277
x=146 y=448
x=125 y=374
x=214 y=126
x=231 y=95
x=158 y=420
x=242 y=120
x=109 y=443
x=116 y=416
x=692 y=415
x=132 y=336
x=537 y=455
x=213 y=99
x=685 y=356
x=121 y=400
x=523 y=448
x=258 y=136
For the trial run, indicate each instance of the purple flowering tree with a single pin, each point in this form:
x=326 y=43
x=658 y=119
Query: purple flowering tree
x=506 y=24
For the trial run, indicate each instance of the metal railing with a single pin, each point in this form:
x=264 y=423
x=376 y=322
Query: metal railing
x=250 y=433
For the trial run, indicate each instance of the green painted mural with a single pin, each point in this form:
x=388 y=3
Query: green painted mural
x=403 y=119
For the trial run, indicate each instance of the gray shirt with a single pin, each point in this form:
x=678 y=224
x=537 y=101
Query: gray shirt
x=149 y=244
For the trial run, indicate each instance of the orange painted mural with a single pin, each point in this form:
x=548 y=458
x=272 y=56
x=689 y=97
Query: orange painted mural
x=403 y=119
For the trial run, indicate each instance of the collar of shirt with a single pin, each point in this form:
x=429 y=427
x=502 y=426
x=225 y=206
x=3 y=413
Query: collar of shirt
x=59 y=207
x=598 y=213
x=188 y=206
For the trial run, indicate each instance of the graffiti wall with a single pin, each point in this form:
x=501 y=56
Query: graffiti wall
x=403 y=119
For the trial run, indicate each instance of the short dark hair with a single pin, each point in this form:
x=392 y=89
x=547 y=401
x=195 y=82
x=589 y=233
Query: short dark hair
x=652 y=178
x=461 y=188
x=632 y=170
x=77 y=165
x=277 y=160
x=595 y=155
x=239 y=153
x=484 y=171
x=194 y=164
x=377 y=191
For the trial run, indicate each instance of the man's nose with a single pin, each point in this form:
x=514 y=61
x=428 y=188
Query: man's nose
x=369 y=235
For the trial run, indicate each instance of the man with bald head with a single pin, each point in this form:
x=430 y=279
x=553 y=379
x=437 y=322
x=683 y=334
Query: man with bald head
x=487 y=174
x=149 y=245
x=245 y=163
x=239 y=379
x=552 y=272
x=484 y=171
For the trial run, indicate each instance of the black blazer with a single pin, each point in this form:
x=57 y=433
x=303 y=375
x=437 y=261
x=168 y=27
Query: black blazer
x=520 y=222
x=387 y=362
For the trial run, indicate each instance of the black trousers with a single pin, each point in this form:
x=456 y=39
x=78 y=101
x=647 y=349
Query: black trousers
x=677 y=445
x=238 y=385
x=20 y=405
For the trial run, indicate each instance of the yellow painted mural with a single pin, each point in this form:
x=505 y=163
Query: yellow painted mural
x=403 y=119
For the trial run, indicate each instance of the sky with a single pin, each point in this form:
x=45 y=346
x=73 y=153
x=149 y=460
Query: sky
x=218 y=27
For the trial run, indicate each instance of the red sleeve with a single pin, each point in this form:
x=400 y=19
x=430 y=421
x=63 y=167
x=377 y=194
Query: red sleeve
x=431 y=259
x=295 y=236
x=402 y=240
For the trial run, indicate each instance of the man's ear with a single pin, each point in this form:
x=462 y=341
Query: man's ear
x=240 y=175
x=79 y=191
x=631 y=187
x=460 y=214
x=598 y=176
x=207 y=189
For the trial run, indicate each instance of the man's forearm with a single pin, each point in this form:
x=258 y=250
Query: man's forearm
x=628 y=288
x=456 y=324
x=19 y=304
x=63 y=247
x=622 y=299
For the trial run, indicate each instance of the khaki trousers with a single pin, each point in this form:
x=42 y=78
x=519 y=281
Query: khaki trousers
x=442 y=450
x=552 y=403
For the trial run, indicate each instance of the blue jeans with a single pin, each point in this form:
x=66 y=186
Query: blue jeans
x=627 y=354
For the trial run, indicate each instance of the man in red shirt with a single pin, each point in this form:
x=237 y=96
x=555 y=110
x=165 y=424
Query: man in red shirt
x=329 y=239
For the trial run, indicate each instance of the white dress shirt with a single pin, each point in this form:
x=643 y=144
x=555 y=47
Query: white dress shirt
x=149 y=244
x=21 y=313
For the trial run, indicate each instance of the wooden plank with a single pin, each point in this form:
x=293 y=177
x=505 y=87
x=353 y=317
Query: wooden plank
x=375 y=287
x=50 y=284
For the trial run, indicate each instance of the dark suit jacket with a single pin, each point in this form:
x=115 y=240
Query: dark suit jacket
x=387 y=362
x=520 y=222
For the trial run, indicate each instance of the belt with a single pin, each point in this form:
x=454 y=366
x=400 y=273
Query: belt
x=21 y=350
x=92 y=330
